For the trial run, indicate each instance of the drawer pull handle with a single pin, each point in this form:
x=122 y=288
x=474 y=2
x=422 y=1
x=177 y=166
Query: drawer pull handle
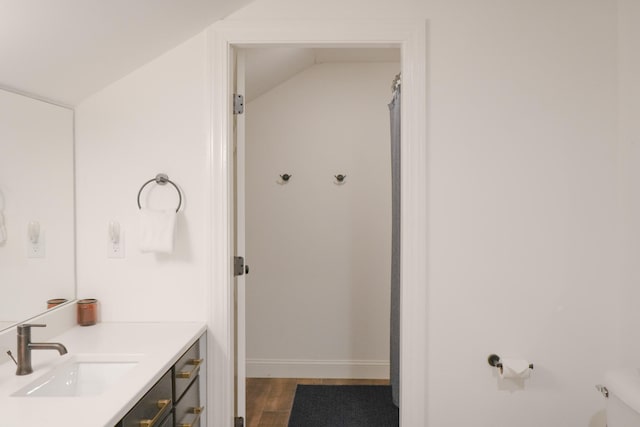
x=187 y=374
x=163 y=405
x=197 y=411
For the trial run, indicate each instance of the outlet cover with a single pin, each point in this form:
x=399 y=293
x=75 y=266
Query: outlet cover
x=116 y=250
x=36 y=250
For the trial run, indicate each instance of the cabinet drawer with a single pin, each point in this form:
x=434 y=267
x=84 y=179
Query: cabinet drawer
x=188 y=409
x=168 y=422
x=153 y=408
x=186 y=369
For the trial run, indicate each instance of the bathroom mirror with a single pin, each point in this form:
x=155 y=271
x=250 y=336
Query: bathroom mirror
x=36 y=206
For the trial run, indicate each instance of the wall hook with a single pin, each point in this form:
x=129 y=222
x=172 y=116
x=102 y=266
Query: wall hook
x=286 y=177
x=340 y=178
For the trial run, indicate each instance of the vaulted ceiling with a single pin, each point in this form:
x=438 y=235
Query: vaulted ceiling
x=269 y=67
x=65 y=50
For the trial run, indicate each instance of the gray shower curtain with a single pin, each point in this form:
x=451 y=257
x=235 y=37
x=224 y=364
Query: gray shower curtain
x=394 y=110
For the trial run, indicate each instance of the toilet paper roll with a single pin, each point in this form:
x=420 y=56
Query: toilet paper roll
x=514 y=369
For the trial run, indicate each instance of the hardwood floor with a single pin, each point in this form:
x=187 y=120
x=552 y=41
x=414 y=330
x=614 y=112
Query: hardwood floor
x=269 y=400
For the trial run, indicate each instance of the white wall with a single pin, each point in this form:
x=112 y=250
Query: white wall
x=523 y=244
x=629 y=131
x=320 y=253
x=523 y=253
x=36 y=184
x=154 y=120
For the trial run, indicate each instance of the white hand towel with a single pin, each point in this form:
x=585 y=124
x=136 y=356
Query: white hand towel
x=157 y=230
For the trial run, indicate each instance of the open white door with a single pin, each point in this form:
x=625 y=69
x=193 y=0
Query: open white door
x=413 y=39
x=240 y=268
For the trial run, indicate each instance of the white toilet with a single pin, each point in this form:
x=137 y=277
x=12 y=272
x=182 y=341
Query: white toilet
x=623 y=403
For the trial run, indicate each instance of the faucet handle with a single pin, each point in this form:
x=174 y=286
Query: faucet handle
x=31 y=325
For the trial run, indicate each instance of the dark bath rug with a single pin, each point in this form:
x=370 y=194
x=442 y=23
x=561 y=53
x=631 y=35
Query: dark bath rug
x=343 y=406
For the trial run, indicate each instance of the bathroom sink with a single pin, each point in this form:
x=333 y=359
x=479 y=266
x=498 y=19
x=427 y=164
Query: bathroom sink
x=81 y=375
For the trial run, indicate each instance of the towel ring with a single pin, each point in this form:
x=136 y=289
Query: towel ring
x=161 y=179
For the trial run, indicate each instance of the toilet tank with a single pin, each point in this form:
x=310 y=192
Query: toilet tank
x=623 y=404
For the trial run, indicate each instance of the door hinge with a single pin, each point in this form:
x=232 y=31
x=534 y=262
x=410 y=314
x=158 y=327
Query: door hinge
x=238 y=103
x=238 y=422
x=238 y=266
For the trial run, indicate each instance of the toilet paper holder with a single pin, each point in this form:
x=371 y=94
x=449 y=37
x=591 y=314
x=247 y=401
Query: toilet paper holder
x=494 y=360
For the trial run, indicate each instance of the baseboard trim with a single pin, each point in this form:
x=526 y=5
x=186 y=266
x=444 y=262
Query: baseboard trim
x=297 y=368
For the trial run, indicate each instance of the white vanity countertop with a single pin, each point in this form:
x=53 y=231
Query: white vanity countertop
x=159 y=344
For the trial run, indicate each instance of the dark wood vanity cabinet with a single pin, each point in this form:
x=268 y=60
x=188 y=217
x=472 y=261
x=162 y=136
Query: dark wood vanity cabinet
x=188 y=408
x=155 y=408
x=175 y=400
x=186 y=388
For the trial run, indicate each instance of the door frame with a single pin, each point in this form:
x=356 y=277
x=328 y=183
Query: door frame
x=411 y=38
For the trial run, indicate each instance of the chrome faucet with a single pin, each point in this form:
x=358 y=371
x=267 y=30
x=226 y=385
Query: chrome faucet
x=25 y=346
